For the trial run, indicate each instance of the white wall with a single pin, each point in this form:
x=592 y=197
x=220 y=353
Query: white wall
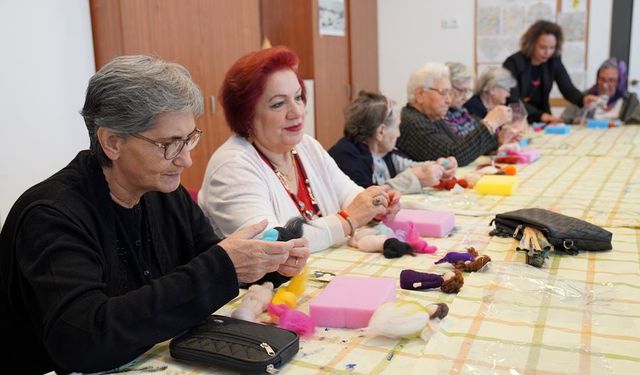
x=47 y=59
x=410 y=33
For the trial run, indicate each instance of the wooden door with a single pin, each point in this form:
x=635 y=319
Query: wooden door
x=332 y=86
x=206 y=36
x=363 y=46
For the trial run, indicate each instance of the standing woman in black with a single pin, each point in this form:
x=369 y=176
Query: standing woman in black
x=536 y=66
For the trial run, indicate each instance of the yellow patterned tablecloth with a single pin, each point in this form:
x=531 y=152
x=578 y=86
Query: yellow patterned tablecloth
x=577 y=315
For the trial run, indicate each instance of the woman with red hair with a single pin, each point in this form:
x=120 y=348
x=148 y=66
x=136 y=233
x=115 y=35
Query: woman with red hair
x=269 y=169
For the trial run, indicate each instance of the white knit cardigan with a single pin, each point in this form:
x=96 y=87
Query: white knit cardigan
x=240 y=189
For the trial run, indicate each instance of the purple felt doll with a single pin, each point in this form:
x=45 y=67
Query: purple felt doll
x=448 y=282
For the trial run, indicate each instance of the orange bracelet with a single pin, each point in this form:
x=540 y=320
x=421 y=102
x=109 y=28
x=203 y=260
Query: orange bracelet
x=346 y=216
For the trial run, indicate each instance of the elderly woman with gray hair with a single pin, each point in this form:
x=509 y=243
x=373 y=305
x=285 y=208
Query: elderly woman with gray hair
x=425 y=133
x=111 y=256
x=367 y=152
x=493 y=88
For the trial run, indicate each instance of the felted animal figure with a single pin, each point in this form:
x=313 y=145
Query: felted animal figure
x=254 y=302
x=448 y=282
x=406 y=319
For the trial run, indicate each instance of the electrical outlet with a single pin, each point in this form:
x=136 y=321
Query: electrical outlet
x=449 y=23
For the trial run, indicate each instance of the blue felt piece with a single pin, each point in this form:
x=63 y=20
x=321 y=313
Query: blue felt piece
x=270 y=235
x=557 y=129
x=597 y=124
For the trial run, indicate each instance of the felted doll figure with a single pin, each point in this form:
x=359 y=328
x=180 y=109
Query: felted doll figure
x=381 y=238
x=449 y=282
x=467 y=262
x=407 y=319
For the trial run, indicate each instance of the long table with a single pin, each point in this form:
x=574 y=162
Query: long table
x=576 y=315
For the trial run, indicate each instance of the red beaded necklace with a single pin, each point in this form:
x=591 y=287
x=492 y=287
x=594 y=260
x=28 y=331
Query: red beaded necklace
x=305 y=200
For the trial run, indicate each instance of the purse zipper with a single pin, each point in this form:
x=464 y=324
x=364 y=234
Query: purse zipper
x=268 y=349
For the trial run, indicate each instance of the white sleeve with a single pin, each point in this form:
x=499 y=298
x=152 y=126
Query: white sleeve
x=405 y=182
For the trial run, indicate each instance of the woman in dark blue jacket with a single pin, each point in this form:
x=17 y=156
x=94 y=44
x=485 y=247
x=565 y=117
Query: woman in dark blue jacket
x=367 y=151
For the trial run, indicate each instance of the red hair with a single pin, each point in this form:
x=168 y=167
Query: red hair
x=245 y=81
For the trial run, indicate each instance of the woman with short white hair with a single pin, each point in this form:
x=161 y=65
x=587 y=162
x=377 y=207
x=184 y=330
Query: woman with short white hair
x=493 y=88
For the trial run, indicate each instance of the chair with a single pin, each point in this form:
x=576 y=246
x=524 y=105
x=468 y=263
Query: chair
x=193 y=193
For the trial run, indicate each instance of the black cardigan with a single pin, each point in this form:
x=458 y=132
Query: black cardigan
x=355 y=160
x=552 y=70
x=476 y=107
x=62 y=297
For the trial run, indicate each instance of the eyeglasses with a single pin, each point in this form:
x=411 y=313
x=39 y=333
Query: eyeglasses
x=442 y=92
x=172 y=149
x=610 y=81
x=462 y=91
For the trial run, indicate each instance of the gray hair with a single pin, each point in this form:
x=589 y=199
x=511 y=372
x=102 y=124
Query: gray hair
x=459 y=73
x=426 y=76
x=495 y=77
x=129 y=92
x=366 y=113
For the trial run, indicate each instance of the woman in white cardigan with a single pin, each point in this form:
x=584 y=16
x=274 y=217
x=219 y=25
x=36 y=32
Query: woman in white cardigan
x=270 y=170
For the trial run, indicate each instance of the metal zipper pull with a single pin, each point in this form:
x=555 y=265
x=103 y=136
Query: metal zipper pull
x=268 y=349
x=515 y=233
x=271 y=369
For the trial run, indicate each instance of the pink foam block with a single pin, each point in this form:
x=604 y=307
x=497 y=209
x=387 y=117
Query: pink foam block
x=349 y=301
x=525 y=154
x=428 y=223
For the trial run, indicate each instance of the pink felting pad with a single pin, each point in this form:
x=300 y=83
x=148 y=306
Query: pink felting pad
x=525 y=155
x=349 y=301
x=428 y=223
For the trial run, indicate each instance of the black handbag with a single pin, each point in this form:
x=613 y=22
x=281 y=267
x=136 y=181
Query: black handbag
x=563 y=232
x=246 y=347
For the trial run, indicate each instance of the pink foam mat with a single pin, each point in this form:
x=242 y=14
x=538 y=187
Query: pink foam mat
x=349 y=301
x=428 y=223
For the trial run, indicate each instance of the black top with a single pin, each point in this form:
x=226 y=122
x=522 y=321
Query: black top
x=476 y=107
x=88 y=287
x=536 y=99
x=355 y=160
x=422 y=139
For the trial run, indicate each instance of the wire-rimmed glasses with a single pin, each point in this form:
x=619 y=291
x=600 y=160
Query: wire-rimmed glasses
x=173 y=148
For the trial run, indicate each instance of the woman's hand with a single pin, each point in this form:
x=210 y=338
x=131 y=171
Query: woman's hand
x=589 y=100
x=429 y=174
x=371 y=202
x=450 y=168
x=253 y=259
x=509 y=134
x=551 y=119
x=298 y=256
x=498 y=116
x=393 y=207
